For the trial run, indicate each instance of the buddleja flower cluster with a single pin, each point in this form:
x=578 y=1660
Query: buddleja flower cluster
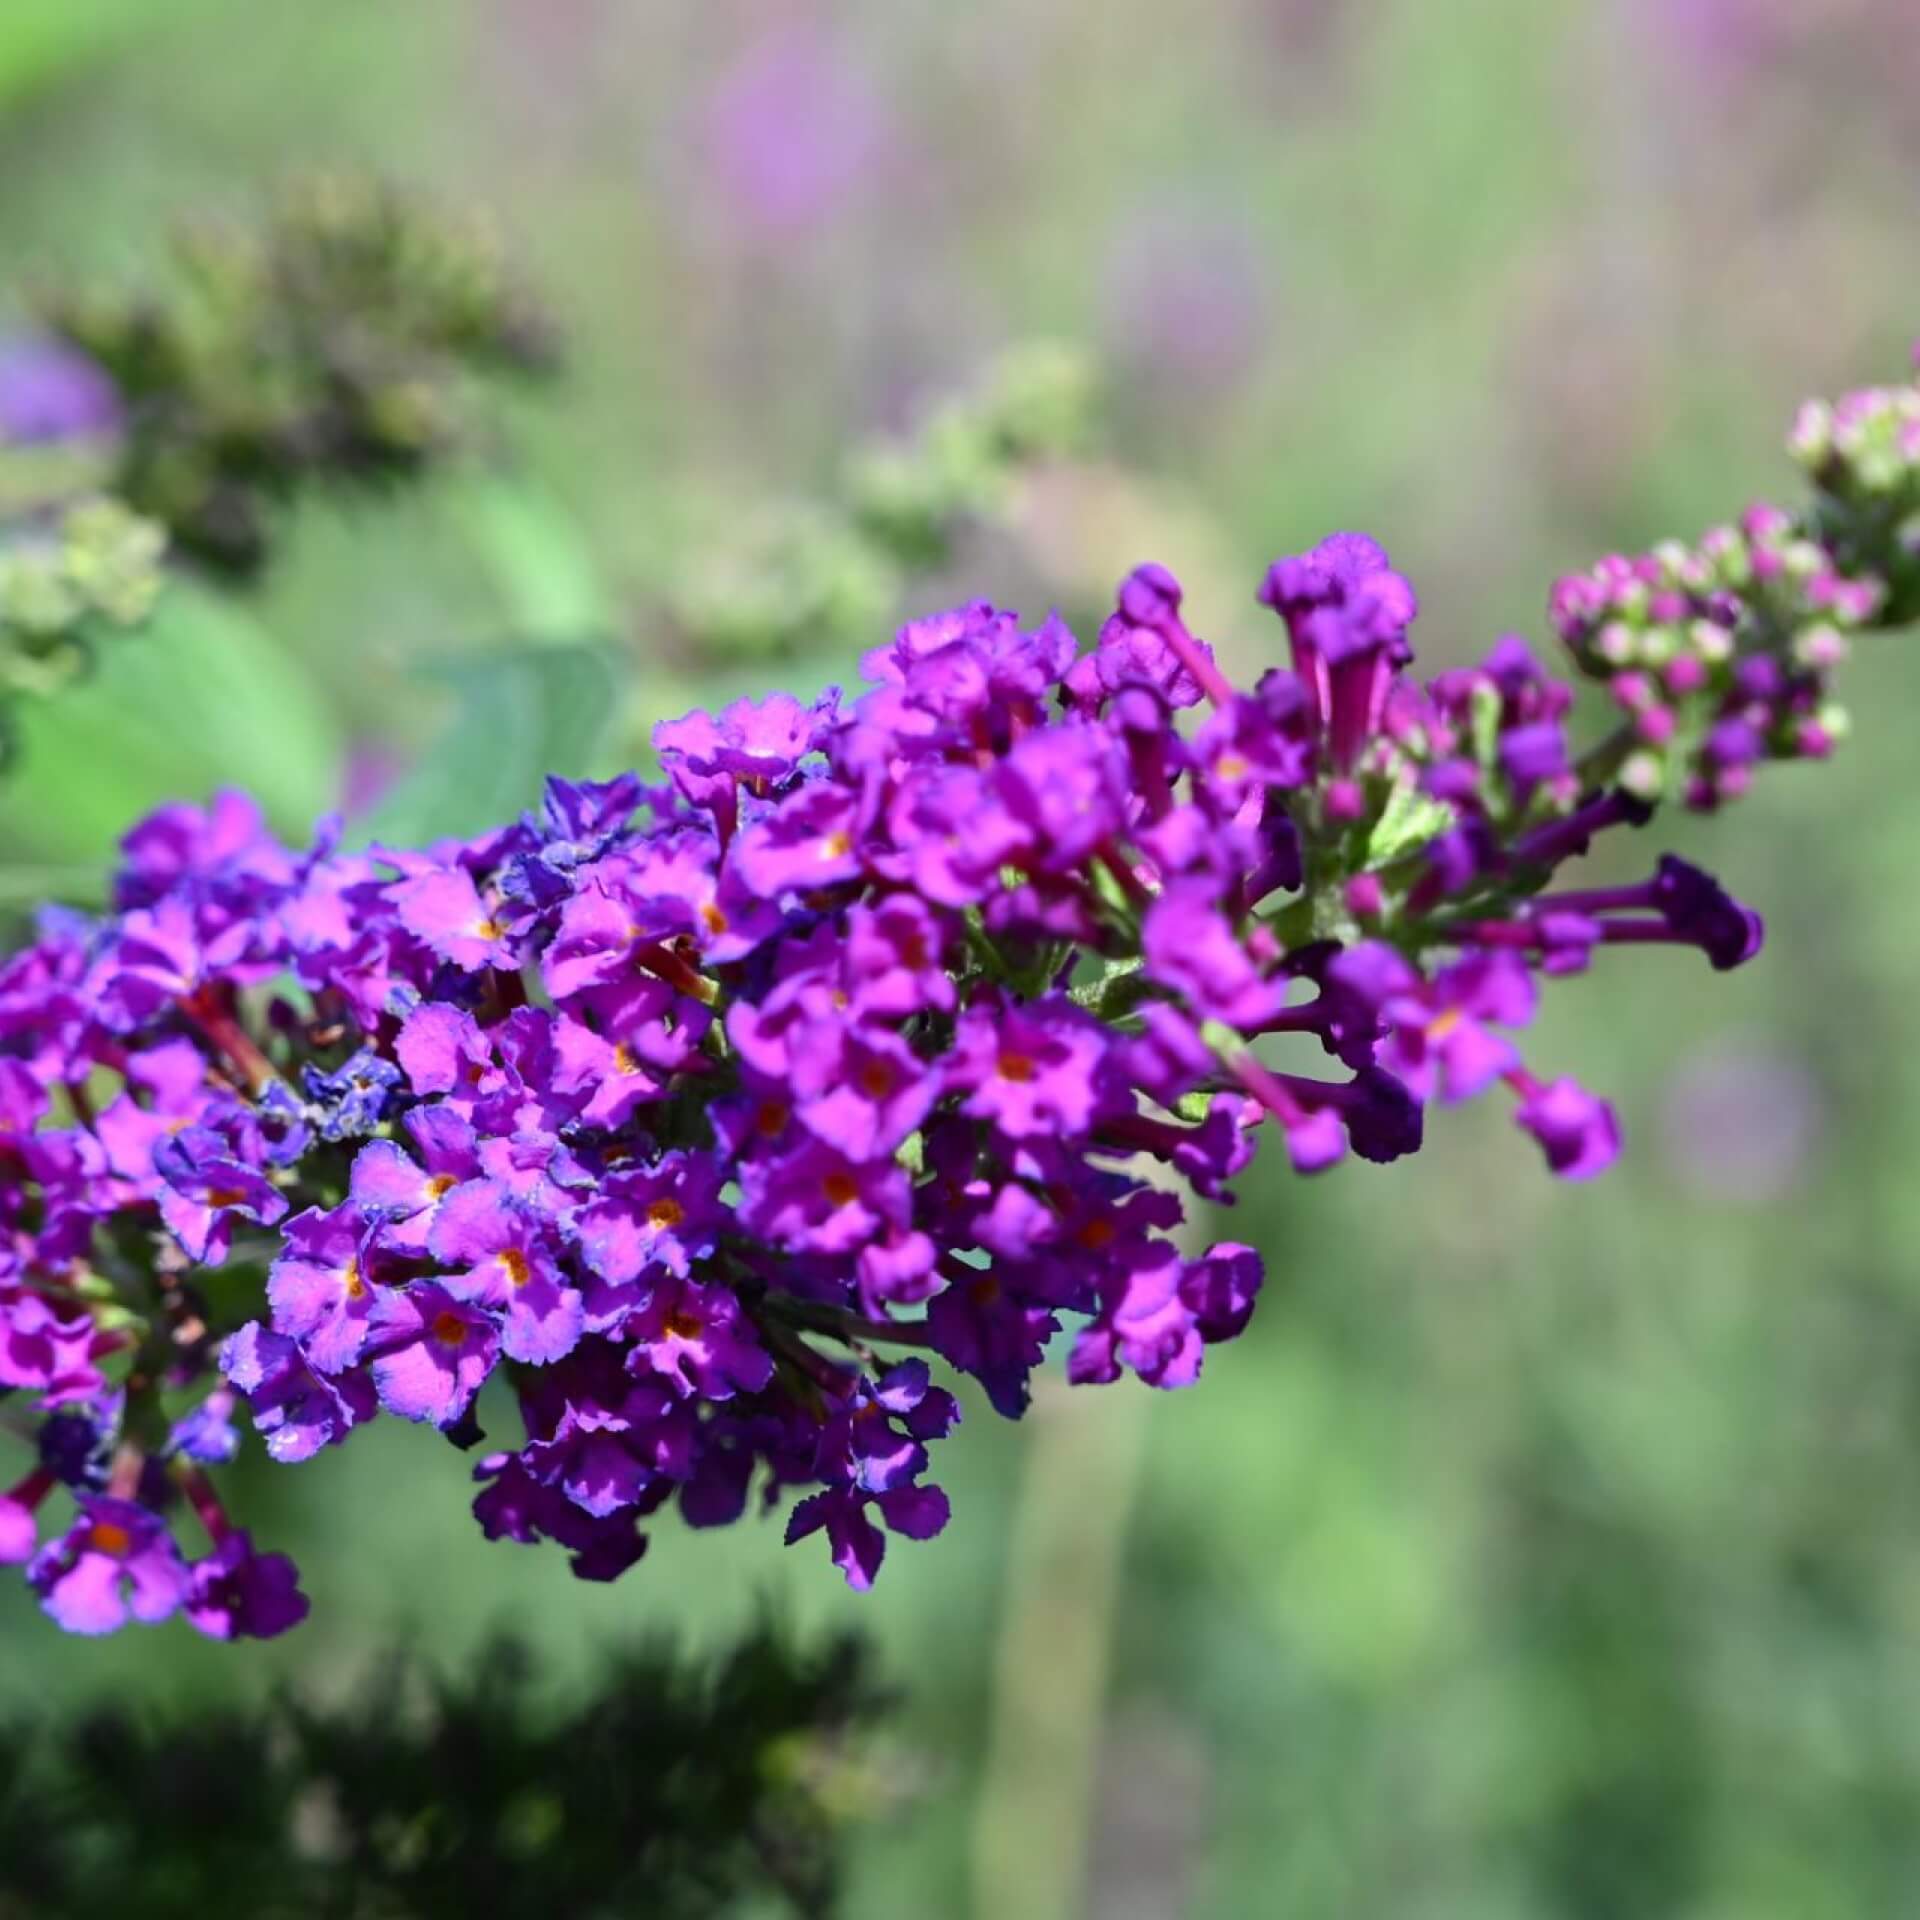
x=908 y=1022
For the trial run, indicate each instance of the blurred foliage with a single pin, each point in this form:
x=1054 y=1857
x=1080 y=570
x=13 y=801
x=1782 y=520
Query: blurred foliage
x=682 y=1787
x=521 y=715
x=335 y=340
x=92 y=566
x=825 y=579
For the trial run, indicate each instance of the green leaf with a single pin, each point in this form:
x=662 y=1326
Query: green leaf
x=41 y=41
x=521 y=715
x=1410 y=820
x=541 y=562
x=199 y=698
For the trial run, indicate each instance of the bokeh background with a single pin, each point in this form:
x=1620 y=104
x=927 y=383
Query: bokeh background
x=1539 y=1552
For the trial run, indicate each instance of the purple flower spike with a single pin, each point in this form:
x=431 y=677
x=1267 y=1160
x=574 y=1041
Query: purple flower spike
x=918 y=1020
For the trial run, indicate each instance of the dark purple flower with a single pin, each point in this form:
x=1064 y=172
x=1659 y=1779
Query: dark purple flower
x=238 y=1594
x=1700 y=910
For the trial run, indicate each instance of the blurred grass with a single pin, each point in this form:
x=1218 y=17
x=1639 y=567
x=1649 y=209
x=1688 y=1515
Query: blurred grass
x=1539 y=1552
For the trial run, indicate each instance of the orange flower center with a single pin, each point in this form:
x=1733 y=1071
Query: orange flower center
x=712 y=918
x=836 y=845
x=684 y=1325
x=450 y=1330
x=841 y=1188
x=666 y=1212
x=876 y=1079
x=515 y=1263
x=440 y=1183
x=226 y=1196
x=350 y=1280
x=1017 y=1067
x=106 y=1537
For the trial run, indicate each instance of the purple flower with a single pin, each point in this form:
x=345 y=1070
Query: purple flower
x=117 y=1561
x=235 y=1593
x=432 y=1353
x=1032 y=1069
x=811 y=1199
x=1699 y=910
x=1066 y=787
x=896 y=951
x=441 y=907
x=442 y=1050
x=646 y=1225
x=1577 y=1132
x=401 y=1196
x=1144 y=1323
x=295 y=1410
x=320 y=1295
x=50 y=391
x=1440 y=1040
x=207 y=1189
x=349 y=1102
x=507 y=1260
x=696 y=1338
x=1191 y=947
x=791 y=133
x=19 y=1537
x=807 y=842
x=861 y=1090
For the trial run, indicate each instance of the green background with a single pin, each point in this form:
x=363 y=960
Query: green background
x=1539 y=1551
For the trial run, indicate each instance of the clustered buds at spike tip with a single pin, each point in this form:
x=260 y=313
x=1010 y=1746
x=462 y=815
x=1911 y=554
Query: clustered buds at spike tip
x=892 y=1023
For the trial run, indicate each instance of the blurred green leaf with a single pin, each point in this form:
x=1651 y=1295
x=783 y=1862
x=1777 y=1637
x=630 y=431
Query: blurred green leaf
x=43 y=40
x=539 y=558
x=522 y=715
x=204 y=697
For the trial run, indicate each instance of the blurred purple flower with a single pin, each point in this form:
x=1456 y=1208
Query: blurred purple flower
x=50 y=391
x=1187 y=293
x=1742 y=1124
x=792 y=131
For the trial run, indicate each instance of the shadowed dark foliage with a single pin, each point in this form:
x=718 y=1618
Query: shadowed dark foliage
x=683 y=1787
